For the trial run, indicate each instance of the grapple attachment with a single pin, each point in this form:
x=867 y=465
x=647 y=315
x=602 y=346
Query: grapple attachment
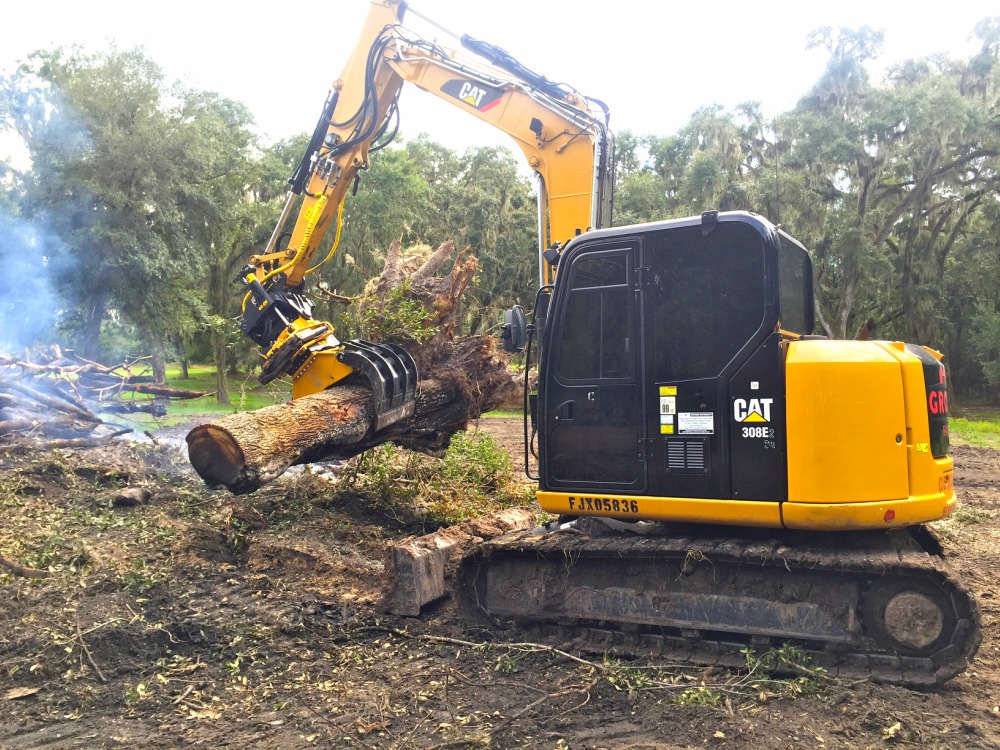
x=392 y=373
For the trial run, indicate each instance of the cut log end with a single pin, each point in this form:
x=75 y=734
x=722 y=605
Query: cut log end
x=215 y=454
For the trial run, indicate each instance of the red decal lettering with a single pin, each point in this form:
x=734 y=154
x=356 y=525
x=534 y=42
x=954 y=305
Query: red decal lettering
x=937 y=402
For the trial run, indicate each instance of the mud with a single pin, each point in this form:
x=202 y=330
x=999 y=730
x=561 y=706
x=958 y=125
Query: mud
x=201 y=619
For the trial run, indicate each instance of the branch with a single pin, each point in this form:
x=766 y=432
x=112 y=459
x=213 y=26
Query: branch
x=22 y=570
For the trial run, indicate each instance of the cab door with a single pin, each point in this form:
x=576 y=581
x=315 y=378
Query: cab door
x=592 y=428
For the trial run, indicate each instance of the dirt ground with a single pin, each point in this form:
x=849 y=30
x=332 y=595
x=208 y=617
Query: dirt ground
x=199 y=619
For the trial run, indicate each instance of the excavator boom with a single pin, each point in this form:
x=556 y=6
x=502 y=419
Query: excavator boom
x=563 y=135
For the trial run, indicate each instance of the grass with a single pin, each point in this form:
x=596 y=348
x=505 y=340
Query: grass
x=501 y=414
x=981 y=429
x=474 y=478
x=245 y=394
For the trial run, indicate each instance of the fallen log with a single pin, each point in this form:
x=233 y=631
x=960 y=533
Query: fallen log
x=459 y=380
x=154 y=408
x=419 y=568
x=245 y=451
x=82 y=442
x=161 y=390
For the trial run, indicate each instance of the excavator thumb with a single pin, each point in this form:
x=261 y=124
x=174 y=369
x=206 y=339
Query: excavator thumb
x=392 y=373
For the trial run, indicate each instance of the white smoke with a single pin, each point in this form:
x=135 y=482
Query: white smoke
x=32 y=256
x=29 y=304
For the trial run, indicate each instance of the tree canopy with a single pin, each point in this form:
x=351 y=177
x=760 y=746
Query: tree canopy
x=143 y=199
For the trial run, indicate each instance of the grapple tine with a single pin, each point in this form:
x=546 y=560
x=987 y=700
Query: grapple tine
x=393 y=376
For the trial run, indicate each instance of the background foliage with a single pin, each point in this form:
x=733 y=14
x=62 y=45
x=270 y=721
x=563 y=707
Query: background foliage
x=142 y=200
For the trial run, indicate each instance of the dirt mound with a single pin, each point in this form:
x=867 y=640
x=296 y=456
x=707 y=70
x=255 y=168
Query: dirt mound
x=197 y=618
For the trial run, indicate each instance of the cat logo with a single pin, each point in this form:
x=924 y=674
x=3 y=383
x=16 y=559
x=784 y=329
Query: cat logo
x=476 y=95
x=754 y=410
x=471 y=94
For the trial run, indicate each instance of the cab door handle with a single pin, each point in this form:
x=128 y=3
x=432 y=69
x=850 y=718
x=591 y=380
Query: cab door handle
x=565 y=411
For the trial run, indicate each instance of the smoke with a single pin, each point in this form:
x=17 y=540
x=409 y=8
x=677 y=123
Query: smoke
x=34 y=118
x=29 y=304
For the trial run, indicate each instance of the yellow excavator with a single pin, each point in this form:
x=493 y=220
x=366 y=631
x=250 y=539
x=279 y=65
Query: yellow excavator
x=723 y=478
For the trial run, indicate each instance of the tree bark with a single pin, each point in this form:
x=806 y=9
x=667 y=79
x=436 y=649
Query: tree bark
x=92 y=325
x=219 y=353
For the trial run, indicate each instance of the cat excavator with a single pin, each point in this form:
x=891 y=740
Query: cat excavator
x=721 y=477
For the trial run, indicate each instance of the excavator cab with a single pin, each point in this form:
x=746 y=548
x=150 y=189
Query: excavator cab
x=655 y=327
x=680 y=381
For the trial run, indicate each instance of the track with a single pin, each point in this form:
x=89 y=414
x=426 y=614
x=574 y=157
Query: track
x=878 y=604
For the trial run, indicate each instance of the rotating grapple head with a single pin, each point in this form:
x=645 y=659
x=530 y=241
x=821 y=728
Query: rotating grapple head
x=392 y=373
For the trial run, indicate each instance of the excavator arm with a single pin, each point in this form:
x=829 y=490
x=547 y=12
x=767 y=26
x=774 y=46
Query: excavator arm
x=563 y=135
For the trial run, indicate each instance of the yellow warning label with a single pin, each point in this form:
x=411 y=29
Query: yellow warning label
x=668 y=390
x=666 y=429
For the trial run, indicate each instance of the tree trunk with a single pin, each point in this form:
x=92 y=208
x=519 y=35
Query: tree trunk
x=219 y=354
x=92 y=326
x=159 y=361
x=460 y=379
x=245 y=451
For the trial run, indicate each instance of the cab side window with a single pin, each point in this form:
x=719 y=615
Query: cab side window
x=598 y=337
x=708 y=298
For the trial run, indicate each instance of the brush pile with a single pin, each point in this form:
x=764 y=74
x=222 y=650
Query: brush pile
x=54 y=401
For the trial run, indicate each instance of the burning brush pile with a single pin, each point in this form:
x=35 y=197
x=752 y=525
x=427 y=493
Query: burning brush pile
x=54 y=400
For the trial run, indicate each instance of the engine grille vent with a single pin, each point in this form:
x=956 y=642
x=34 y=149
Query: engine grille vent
x=688 y=456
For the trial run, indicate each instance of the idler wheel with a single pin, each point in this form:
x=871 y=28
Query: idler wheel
x=915 y=618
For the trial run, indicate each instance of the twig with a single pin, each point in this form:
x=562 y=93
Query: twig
x=459 y=677
x=522 y=646
x=585 y=689
x=406 y=739
x=21 y=570
x=321 y=292
x=83 y=645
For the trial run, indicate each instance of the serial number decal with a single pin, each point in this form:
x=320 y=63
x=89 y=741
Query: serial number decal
x=603 y=504
x=757 y=432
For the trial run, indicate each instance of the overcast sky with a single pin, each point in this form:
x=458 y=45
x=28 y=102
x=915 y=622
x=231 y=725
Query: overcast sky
x=653 y=63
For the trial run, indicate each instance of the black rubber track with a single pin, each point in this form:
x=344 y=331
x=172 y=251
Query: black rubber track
x=691 y=594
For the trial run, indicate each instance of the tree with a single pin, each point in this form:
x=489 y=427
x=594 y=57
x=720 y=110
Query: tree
x=126 y=172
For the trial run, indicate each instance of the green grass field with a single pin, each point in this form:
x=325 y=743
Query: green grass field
x=980 y=428
x=245 y=394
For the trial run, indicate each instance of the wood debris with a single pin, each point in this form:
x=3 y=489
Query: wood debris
x=54 y=401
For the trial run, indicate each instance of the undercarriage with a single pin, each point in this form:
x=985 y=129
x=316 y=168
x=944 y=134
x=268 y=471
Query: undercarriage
x=881 y=605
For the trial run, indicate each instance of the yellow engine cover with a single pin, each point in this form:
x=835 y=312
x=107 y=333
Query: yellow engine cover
x=845 y=413
x=858 y=438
